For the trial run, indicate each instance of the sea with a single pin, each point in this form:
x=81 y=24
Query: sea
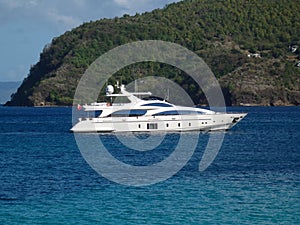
x=253 y=179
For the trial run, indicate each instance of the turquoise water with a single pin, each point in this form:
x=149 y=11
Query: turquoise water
x=255 y=178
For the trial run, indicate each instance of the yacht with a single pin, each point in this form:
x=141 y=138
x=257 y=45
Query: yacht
x=144 y=112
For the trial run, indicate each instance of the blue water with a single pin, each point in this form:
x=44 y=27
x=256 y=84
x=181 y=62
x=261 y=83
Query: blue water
x=255 y=178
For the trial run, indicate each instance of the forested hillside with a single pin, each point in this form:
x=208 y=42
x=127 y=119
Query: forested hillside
x=247 y=43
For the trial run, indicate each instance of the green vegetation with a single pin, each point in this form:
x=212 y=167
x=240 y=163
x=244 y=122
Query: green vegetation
x=223 y=33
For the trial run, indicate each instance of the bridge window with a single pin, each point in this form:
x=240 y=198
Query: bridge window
x=152 y=126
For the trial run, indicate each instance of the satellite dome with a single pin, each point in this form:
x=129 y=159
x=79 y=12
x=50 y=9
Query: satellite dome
x=109 y=90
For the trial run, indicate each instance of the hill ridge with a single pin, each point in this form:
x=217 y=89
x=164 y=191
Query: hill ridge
x=226 y=34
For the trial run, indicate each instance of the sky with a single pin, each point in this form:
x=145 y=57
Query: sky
x=26 y=26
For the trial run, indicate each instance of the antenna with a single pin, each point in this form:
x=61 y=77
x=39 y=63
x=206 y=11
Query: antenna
x=167 y=97
x=135 y=86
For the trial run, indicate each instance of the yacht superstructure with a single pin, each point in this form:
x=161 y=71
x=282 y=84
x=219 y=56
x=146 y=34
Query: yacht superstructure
x=150 y=113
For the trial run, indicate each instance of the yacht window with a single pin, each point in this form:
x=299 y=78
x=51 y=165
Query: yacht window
x=159 y=104
x=151 y=126
x=139 y=125
x=167 y=125
x=166 y=113
x=189 y=124
x=98 y=113
x=125 y=113
x=178 y=124
x=153 y=98
x=177 y=112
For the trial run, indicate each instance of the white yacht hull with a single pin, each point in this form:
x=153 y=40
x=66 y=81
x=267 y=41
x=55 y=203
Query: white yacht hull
x=166 y=123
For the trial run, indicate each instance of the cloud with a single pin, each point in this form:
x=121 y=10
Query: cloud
x=14 y=4
x=125 y=3
x=27 y=25
x=16 y=73
x=55 y=13
x=63 y=20
x=132 y=7
x=70 y=13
